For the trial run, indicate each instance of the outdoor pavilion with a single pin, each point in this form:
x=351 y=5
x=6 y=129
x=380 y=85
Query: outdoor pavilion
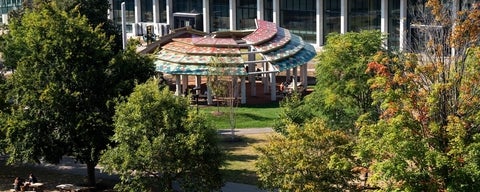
x=264 y=52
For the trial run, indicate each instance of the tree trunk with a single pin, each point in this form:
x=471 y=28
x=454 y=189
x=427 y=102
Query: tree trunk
x=91 y=174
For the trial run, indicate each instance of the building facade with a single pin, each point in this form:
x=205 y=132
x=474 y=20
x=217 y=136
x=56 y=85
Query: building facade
x=312 y=20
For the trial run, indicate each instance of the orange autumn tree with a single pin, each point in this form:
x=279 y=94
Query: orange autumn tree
x=428 y=135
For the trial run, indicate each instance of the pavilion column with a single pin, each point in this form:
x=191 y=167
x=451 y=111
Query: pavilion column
x=265 y=78
x=178 y=86
x=273 y=87
x=209 y=96
x=304 y=70
x=251 y=78
x=235 y=86
x=243 y=91
x=294 y=80
x=184 y=85
x=198 y=84
x=287 y=75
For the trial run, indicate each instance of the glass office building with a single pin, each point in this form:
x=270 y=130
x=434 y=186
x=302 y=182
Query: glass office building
x=6 y=6
x=313 y=20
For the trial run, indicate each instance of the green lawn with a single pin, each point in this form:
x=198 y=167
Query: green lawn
x=246 y=116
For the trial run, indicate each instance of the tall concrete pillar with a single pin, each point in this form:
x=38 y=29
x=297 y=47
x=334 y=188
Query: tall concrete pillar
x=319 y=22
x=295 y=77
x=403 y=24
x=260 y=7
x=156 y=11
x=206 y=16
x=233 y=14
x=169 y=10
x=110 y=10
x=276 y=12
x=343 y=16
x=384 y=20
x=184 y=84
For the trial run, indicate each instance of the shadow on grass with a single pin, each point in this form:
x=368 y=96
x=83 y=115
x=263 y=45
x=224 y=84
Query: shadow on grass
x=254 y=117
x=240 y=176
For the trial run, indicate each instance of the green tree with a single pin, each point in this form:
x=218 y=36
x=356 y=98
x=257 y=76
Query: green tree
x=309 y=158
x=293 y=110
x=341 y=94
x=159 y=141
x=65 y=86
x=427 y=137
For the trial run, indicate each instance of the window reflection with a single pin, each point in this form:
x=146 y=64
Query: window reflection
x=331 y=17
x=393 y=24
x=147 y=11
x=364 y=15
x=268 y=10
x=299 y=17
x=246 y=14
x=187 y=6
x=219 y=15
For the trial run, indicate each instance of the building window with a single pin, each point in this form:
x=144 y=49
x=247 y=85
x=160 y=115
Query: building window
x=219 y=15
x=394 y=24
x=187 y=6
x=299 y=17
x=364 y=15
x=331 y=17
x=129 y=13
x=246 y=14
x=268 y=10
x=147 y=10
x=162 y=11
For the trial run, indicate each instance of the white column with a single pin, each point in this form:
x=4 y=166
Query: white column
x=124 y=30
x=260 y=8
x=273 y=87
x=206 y=16
x=455 y=9
x=233 y=14
x=110 y=10
x=294 y=80
x=178 y=86
x=243 y=91
x=319 y=22
x=384 y=20
x=403 y=24
x=137 y=10
x=169 y=10
x=276 y=12
x=156 y=11
x=343 y=16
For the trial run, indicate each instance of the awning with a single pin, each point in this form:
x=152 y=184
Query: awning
x=302 y=57
x=204 y=70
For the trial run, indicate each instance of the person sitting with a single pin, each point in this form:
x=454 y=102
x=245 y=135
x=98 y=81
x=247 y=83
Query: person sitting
x=18 y=184
x=32 y=178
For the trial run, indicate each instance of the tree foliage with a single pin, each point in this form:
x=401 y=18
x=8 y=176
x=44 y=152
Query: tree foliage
x=64 y=86
x=158 y=140
x=427 y=138
x=308 y=158
x=293 y=110
x=341 y=94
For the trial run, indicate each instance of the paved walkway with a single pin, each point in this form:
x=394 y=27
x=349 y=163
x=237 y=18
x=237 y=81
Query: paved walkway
x=68 y=165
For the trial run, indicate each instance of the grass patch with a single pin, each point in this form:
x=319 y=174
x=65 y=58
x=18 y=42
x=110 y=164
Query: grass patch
x=241 y=157
x=246 y=116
